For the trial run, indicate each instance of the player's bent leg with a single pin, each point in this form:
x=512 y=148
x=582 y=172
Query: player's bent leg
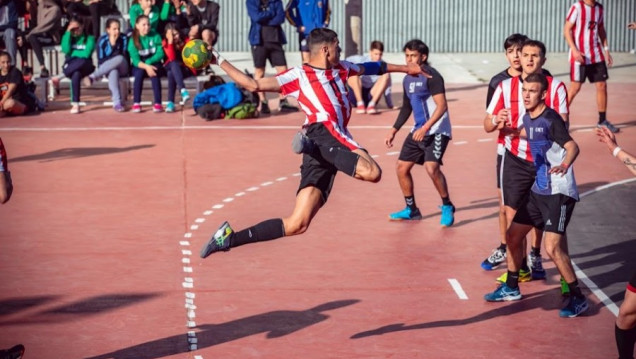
x=601 y=95
x=15 y=107
x=403 y=171
x=366 y=168
x=308 y=202
x=574 y=89
x=625 y=328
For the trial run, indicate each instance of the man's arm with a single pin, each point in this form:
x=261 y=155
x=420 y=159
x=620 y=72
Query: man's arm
x=567 y=33
x=404 y=114
x=571 y=152
x=602 y=35
x=606 y=136
x=269 y=84
x=381 y=67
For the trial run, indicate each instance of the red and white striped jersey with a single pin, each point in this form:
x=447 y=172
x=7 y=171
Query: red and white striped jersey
x=322 y=95
x=586 y=20
x=508 y=96
x=4 y=166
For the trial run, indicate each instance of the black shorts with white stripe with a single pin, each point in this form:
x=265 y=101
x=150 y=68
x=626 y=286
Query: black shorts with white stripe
x=550 y=213
x=430 y=149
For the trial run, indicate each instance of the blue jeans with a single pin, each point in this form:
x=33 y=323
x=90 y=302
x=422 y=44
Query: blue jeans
x=139 y=76
x=176 y=73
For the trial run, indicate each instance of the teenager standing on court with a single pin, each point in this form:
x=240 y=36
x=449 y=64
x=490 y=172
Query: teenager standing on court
x=267 y=38
x=512 y=48
x=552 y=198
x=429 y=137
x=589 y=55
x=517 y=169
x=320 y=87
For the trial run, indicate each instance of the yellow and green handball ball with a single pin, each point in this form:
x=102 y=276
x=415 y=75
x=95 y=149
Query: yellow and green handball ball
x=195 y=54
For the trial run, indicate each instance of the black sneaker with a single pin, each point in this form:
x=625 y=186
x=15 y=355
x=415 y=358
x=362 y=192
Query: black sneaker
x=220 y=241
x=609 y=126
x=284 y=106
x=44 y=73
x=302 y=144
x=15 y=352
x=265 y=108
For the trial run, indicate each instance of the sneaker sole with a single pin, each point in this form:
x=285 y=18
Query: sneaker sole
x=488 y=266
x=416 y=218
x=575 y=315
x=505 y=299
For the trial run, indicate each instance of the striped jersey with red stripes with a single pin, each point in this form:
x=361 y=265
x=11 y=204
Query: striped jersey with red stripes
x=4 y=166
x=508 y=95
x=322 y=95
x=586 y=20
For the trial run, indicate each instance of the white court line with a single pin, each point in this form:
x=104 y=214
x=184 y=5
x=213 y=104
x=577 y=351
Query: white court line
x=484 y=140
x=218 y=127
x=460 y=142
x=611 y=306
x=457 y=288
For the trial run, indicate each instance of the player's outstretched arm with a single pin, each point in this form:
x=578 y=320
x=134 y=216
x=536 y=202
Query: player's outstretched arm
x=606 y=136
x=265 y=84
x=381 y=67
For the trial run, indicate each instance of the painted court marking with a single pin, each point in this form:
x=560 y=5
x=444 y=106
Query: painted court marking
x=458 y=288
x=188 y=282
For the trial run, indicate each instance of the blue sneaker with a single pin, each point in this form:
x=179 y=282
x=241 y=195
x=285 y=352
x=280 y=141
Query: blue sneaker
x=406 y=215
x=575 y=307
x=503 y=293
x=170 y=107
x=185 y=96
x=447 y=215
x=497 y=257
x=220 y=241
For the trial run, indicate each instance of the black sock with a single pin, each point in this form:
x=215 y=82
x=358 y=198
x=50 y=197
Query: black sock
x=625 y=340
x=524 y=264
x=512 y=280
x=502 y=246
x=264 y=231
x=574 y=289
x=446 y=201
x=410 y=202
x=601 y=117
x=536 y=251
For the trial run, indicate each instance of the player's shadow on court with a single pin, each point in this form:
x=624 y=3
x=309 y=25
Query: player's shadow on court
x=77 y=152
x=487 y=203
x=68 y=312
x=548 y=300
x=15 y=305
x=274 y=324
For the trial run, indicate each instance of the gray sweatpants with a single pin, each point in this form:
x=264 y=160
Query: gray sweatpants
x=113 y=68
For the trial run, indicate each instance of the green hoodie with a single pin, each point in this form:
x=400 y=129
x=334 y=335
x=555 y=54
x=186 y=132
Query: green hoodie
x=151 y=50
x=153 y=17
x=78 y=46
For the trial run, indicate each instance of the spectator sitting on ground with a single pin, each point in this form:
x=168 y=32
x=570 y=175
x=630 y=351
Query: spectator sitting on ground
x=15 y=98
x=368 y=89
x=9 y=27
x=203 y=19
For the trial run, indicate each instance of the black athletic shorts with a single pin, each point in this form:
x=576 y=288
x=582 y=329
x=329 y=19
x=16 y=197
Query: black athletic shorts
x=593 y=72
x=499 y=157
x=271 y=51
x=631 y=286
x=315 y=170
x=430 y=149
x=550 y=213
x=517 y=177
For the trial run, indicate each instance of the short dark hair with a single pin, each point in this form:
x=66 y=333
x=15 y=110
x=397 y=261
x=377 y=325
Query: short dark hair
x=321 y=35
x=111 y=21
x=417 y=45
x=377 y=45
x=4 y=53
x=538 y=78
x=515 y=40
x=535 y=43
